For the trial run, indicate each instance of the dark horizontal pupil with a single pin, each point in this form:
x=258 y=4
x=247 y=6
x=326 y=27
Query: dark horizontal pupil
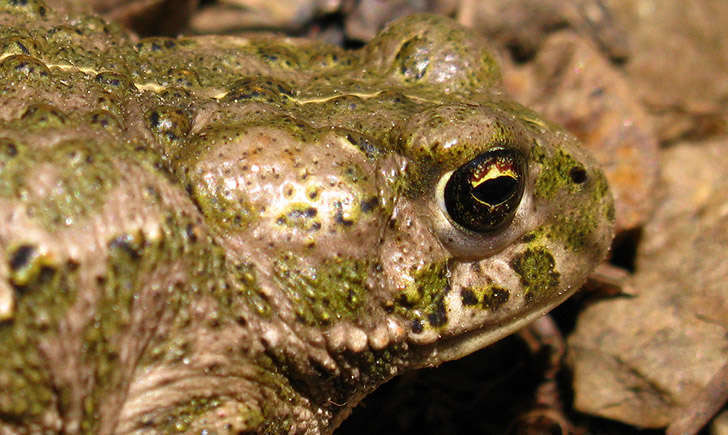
x=483 y=194
x=495 y=191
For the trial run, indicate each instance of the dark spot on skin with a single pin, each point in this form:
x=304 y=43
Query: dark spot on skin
x=468 y=297
x=114 y=82
x=123 y=243
x=413 y=59
x=8 y=148
x=370 y=204
x=497 y=297
x=152 y=192
x=190 y=232
x=176 y=92
x=111 y=81
x=22 y=47
x=363 y=144
x=439 y=316
x=417 y=326
x=170 y=122
x=528 y=237
x=596 y=92
x=46 y=274
x=72 y=264
x=154 y=119
x=578 y=174
x=20 y=290
x=21 y=257
x=157 y=45
x=104 y=119
x=403 y=301
x=339 y=216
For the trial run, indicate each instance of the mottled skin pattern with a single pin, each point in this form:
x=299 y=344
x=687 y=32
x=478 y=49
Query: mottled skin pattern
x=249 y=234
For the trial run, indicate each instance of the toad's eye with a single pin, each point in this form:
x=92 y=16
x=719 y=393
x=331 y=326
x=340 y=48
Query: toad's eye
x=483 y=194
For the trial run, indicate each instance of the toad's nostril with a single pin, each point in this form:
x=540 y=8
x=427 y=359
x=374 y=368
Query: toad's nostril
x=578 y=175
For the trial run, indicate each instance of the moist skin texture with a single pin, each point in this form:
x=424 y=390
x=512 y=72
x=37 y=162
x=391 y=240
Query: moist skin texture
x=251 y=234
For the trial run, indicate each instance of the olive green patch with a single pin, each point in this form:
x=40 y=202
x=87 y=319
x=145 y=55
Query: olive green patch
x=181 y=78
x=370 y=148
x=105 y=120
x=14 y=42
x=115 y=83
x=268 y=368
x=180 y=417
x=41 y=116
x=424 y=298
x=113 y=315
x=259 y=89
x=170 y=124
x=26 y=263
x=347 y=214
x=321 y=295
x=132 y=260
x=375 y=366
x=85 y=173
x=576 y=228
x=43 y=291
x=227 y=210
x=249 y=291
x=278 y=55
x=156 y=46
x=412 y=60
x=536 y=269
x=35 y=9
x=556 y=172
x=23 y=68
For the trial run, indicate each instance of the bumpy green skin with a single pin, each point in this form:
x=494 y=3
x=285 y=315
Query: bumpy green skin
x=244 y=234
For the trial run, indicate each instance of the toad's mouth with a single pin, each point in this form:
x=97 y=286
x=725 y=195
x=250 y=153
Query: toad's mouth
x=455 y=346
